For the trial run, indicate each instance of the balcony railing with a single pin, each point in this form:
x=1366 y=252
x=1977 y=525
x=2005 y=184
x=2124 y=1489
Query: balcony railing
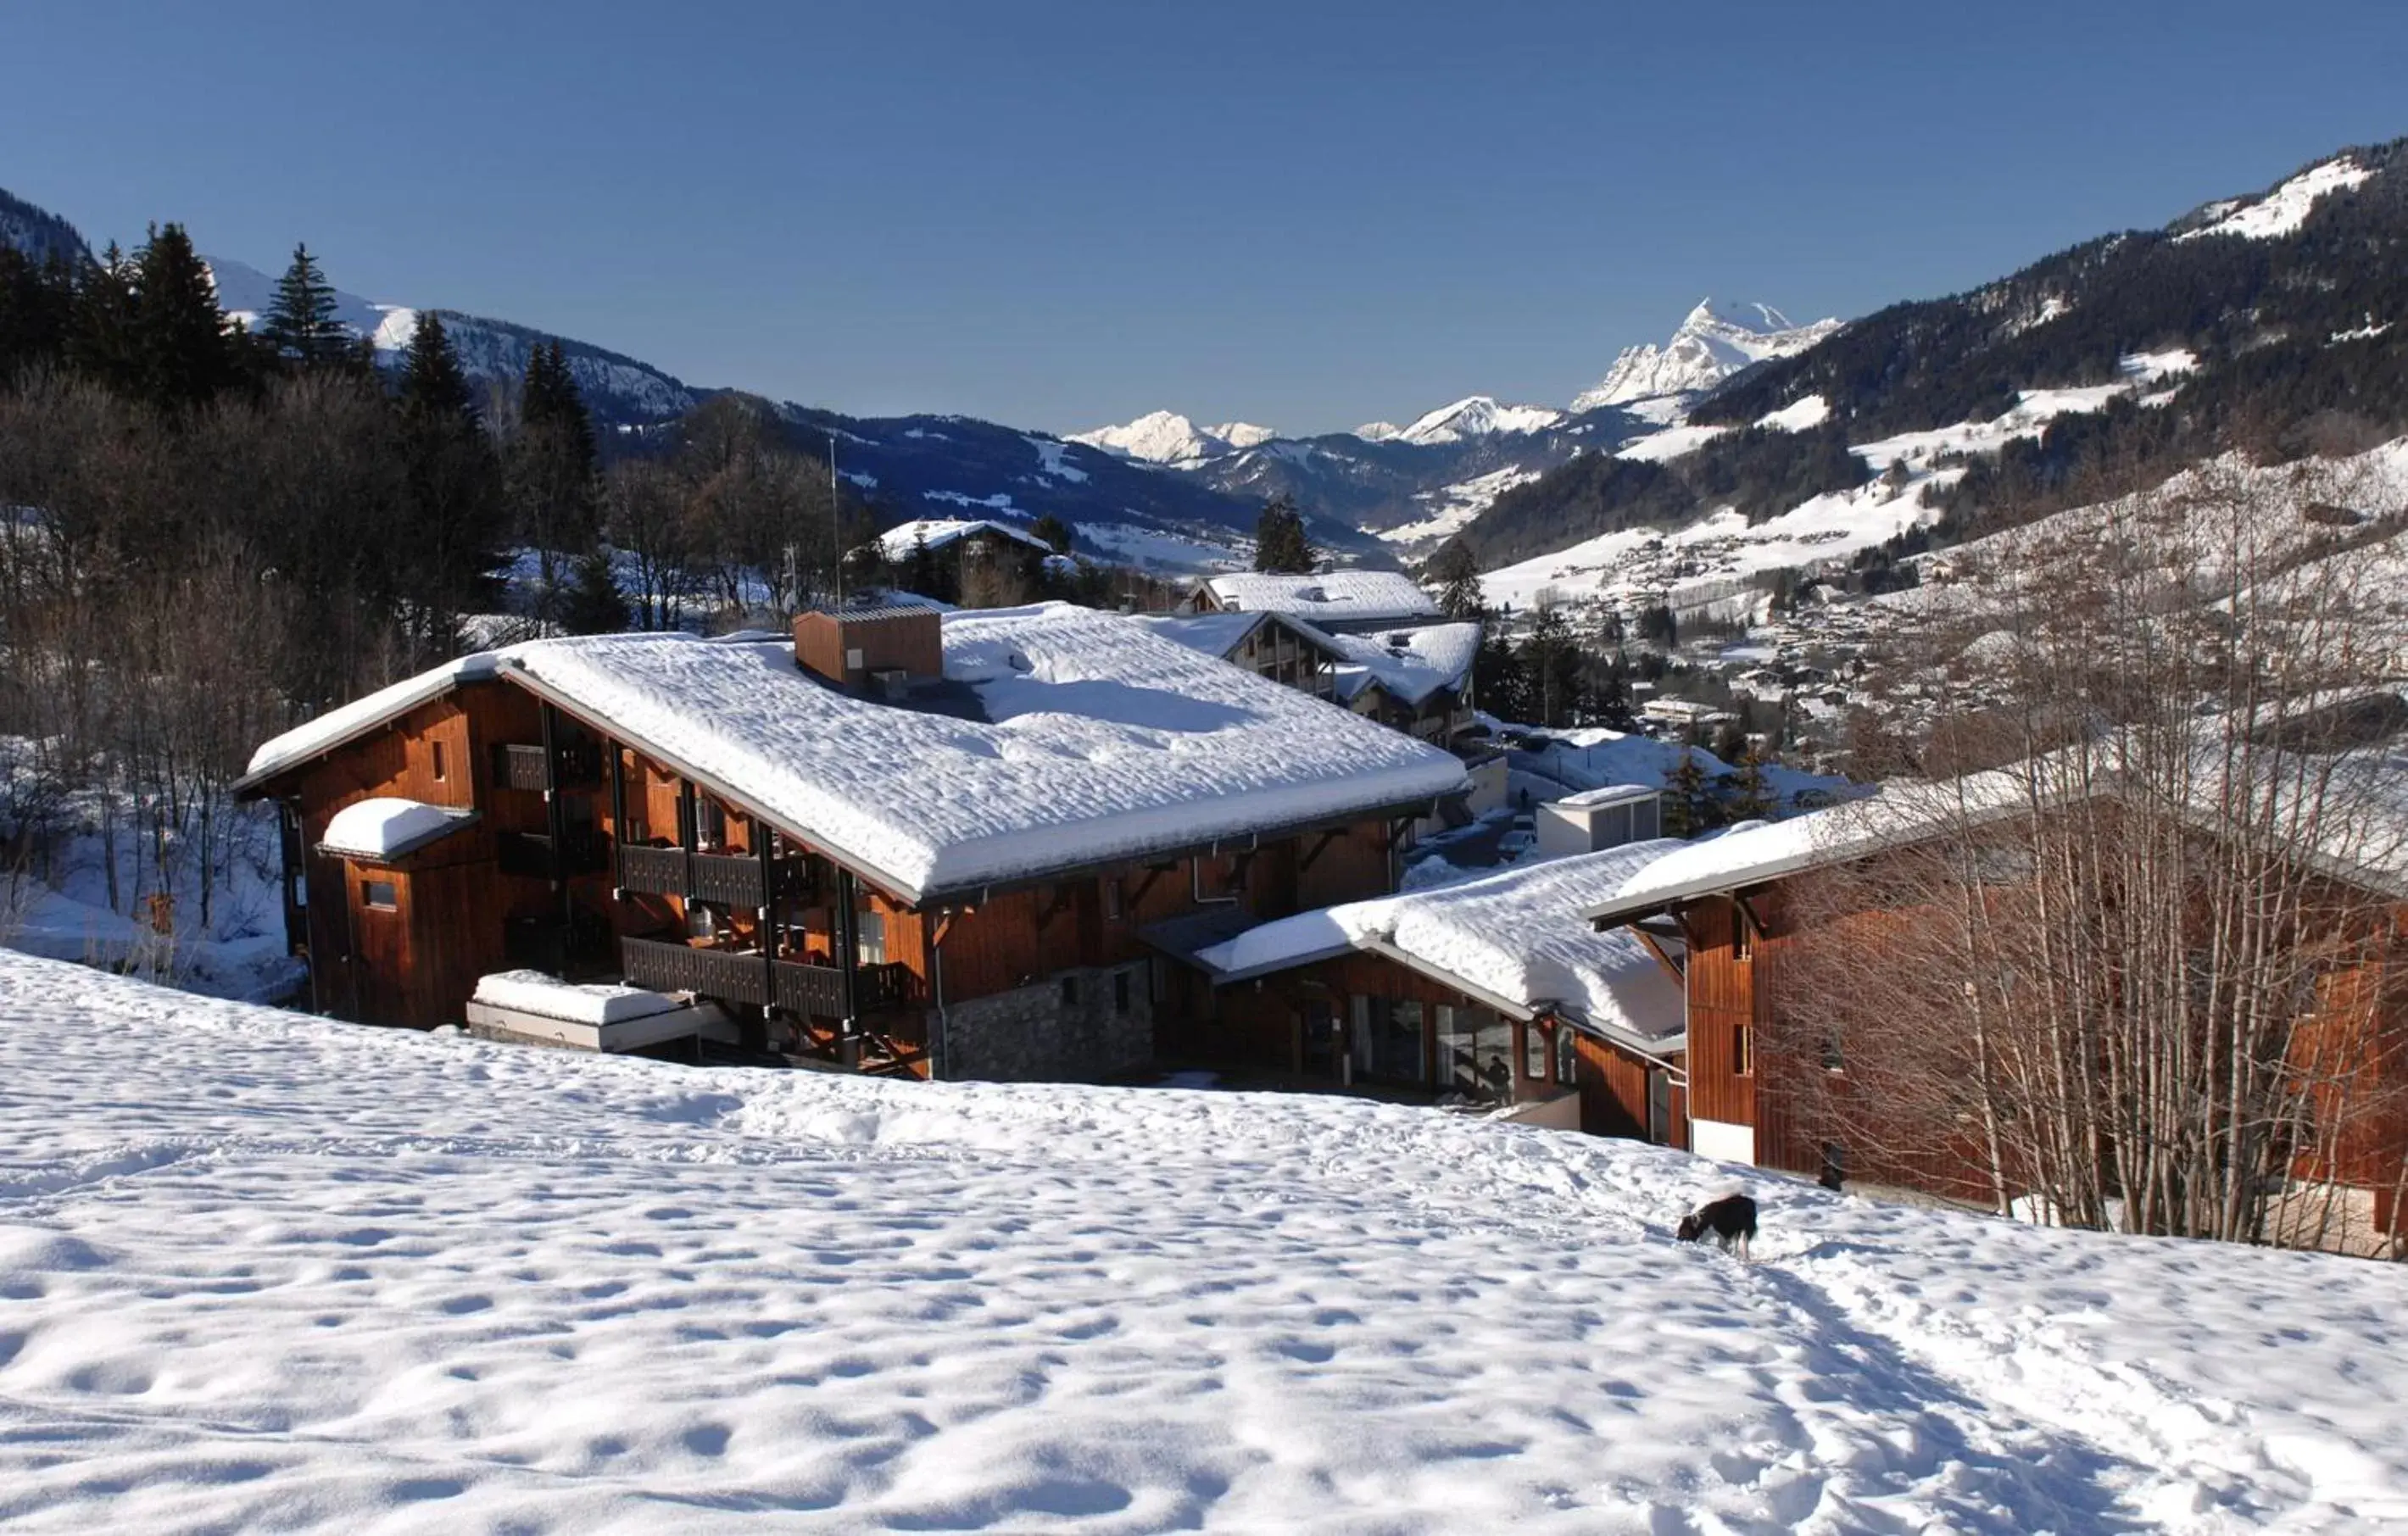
x=529 y=854
x=812 y=990
x=519 y=765
x=731 y=879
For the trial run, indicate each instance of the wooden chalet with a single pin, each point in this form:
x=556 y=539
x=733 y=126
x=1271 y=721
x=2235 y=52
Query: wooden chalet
x=1335 y=602
x=905 y=842
x=1492 y=991
x=1414 y=677
x=1729 y=916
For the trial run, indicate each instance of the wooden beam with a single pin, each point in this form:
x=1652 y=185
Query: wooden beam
x=1663 y=957
x=1152 y=873
x=1332 y=835
x=1063 y=896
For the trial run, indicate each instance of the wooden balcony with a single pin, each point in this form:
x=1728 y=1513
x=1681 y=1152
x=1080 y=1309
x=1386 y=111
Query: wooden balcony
x=519 y=765
x=731 y=879
x=813 y=991
x=529 y=854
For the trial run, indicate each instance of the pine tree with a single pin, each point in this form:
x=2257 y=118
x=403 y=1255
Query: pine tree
x=454 y=489
x=1497 y=680
x=300 y=321
x=183 y=345
x=551 y=472
x=434 y=389
x=1688 y=807
x=1458 y=575
x=1054 y=532
x=594 y=604
x=1752 y=794
x=1551 y=668
x=1280 y=545
x=36 y=311
x=925 y=577
x=101 y=342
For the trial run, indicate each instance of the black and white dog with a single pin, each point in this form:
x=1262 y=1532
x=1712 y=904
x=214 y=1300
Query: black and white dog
x=1731 y=1218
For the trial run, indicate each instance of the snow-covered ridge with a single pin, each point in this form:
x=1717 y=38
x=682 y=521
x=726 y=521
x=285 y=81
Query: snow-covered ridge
x=1477 y=416
x=1166 y=438
x=1711 y=345
x=2285 y=208
x=327 y=1277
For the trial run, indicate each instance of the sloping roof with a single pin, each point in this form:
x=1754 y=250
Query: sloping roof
x=1213 y=633
x=384 y=827
x=1410 y=661
x=896 y=543
x=2358 y=832
x=1093 y=740
x=1517 y=938
x=1333 y=596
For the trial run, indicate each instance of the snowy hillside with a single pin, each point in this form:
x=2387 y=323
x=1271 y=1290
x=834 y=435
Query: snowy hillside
x=322 y=1276
x=38 y=231
x=1710 y=346
x=1478 y=415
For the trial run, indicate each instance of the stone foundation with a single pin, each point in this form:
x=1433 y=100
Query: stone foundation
x=1033 y=1035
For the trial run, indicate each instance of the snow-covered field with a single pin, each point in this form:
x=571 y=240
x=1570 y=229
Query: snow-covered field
x=259 y=1272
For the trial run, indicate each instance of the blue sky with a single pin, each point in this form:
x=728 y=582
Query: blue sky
x=1054 y=214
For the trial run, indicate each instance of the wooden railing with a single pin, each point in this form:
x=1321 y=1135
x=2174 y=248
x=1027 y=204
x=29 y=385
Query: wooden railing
x=731 y=879
x=519 y=765
x=530 y=853
x=812 y=990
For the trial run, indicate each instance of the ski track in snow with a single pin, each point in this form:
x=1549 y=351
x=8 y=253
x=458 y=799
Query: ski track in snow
x=258 y=1271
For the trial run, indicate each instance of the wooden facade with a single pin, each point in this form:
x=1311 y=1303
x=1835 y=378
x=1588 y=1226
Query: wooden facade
x=588 y=858
x=1368 y=1022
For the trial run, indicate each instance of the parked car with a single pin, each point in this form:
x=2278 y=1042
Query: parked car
x=1514 y=844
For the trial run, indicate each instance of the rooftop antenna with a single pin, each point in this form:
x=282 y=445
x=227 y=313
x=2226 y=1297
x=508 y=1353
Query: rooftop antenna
x=836 y=522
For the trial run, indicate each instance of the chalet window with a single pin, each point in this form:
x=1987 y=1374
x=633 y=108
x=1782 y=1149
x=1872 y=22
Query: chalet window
x=1566 y=1057
x=869 y=934
x=1534 y=1051
x=1121 y=992
x=710 y=824
x=1070 y=991
x=1742 y=941
x=1742 y=1050
x=380 y=894
x=1113 y=898
x=701 y=920
x=437 y=750
x=1832 y=1058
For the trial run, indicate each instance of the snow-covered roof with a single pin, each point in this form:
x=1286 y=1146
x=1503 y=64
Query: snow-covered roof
x=1213 y=633
x=1412 y=662
x=578 y=1003
x=385 y=827
x=1368 y=596
x=1070 y=737
x=1753 y=852
x=897 y=543
x=1518 y=938
x=1608 y=794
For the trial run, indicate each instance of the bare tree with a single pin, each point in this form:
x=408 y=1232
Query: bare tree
x=2134 y=971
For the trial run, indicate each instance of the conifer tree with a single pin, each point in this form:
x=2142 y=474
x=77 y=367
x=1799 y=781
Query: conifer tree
x=1458 y=575
x=1688 y=805
x=549 y=466
x=300 y=321
x=594 y=604
x=182 y=343
x=1280 y=545
x=1497 y=681
x=36 y=311
x=1054 y=532
x=455 y=487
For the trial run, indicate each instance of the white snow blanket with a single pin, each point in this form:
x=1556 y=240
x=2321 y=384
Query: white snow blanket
x=1330 y=595
x=385 y=826
x=326 y=1277
x=1101 y=740
x=1518 y=935
x=578 y=1003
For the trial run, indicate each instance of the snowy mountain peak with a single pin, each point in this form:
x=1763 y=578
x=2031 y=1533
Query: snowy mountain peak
x=1712 y=343
x=1166 y=438
x=1474 y=416
x=2284 y=209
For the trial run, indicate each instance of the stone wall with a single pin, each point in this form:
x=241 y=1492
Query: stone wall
x=1035 y=1034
